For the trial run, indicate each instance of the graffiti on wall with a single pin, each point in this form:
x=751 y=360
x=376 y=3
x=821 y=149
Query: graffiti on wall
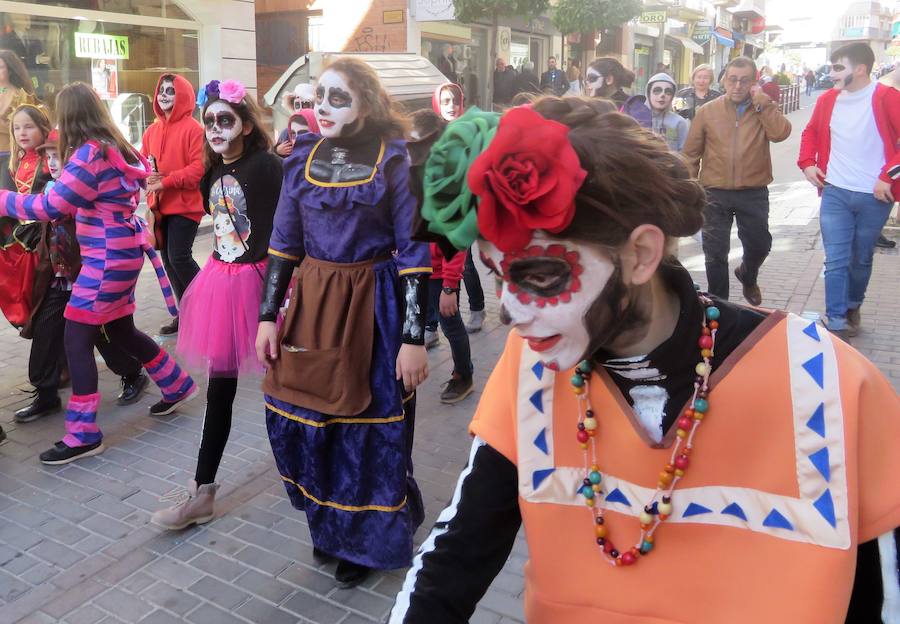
x=368 y=40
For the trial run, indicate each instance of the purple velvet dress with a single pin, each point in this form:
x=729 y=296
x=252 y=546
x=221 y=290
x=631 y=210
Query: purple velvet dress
x=353 y=475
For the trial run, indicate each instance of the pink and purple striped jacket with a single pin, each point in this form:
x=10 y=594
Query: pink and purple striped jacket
x=101 y=191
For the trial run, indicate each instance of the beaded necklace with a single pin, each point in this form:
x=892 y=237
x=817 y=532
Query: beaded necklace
x=659 y=507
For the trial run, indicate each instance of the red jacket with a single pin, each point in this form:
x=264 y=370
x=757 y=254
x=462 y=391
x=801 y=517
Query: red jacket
x=176 y=142
x=815 y=143
x=450 y=271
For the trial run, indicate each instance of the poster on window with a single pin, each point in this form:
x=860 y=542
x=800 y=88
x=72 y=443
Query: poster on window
x=105 y=78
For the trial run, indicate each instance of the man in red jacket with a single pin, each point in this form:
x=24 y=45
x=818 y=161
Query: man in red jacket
x=174 y=146
x=849 y=152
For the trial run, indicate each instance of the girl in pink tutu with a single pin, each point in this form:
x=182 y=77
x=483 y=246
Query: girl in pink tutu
x=219 y=310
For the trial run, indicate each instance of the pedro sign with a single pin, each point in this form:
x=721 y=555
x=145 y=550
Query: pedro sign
x=93 y=46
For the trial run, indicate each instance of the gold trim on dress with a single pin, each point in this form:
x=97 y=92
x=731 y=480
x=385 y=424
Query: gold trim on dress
x=281 y=254
x=416 y=270
x=309 y=179
x=344 y=507
x=335 y=421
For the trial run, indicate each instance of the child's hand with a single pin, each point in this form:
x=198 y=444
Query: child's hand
x=267 y=343
x=155 y=187
x=412 y=365
x=284 y=149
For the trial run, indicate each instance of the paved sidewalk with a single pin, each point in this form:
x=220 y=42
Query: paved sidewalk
x=75 y=544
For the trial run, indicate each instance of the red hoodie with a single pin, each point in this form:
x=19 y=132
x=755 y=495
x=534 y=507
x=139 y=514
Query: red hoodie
x=815 y=143
x=176 y=142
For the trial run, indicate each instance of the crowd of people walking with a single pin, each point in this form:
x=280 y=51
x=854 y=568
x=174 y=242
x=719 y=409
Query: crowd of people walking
x=341 y=249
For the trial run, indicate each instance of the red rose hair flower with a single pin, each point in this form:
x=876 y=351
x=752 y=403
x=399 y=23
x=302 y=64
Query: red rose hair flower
x=526 y=179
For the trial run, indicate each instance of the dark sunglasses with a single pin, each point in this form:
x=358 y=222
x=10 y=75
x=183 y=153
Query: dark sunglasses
x=167 y=91
x=225 y=121
x=300 y=104
x=659 y=90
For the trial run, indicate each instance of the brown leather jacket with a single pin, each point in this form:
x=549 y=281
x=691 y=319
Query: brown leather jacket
x=732 y=152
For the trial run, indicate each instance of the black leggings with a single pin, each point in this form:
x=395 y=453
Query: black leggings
x=220 y=395
x=80 y=339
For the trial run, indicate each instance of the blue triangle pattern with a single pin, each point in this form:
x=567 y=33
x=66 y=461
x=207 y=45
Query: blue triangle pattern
x=812 y=332
x=538 y=476
x=537 y=399
x=825 y=506
x=735 y=510
x=616 y=496
x=695 y=510
x=821 y=461
x=816 y=422
x=814 y=366
x=777 y=521
x=538 y=370
x=541 y=441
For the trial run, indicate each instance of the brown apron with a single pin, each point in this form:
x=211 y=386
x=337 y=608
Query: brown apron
x=325 y=342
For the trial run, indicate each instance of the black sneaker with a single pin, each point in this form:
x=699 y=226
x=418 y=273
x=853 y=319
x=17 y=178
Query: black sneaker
x=170 y=328
x=164 y=408
x=884 y=242
x=456 y=389
x=349 y=574
x=40 y=406
x=62 y=454
x=132 y=387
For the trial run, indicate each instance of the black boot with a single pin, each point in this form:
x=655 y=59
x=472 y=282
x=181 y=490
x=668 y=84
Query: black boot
x=2 y=436
x=884 y=242
x=132 y=387
x=349 y=574
x=42 y=405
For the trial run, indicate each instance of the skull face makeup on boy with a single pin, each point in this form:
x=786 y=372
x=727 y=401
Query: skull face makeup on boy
x=337 y=106
x=548 y=288
x=223 y=126
x=165 y=97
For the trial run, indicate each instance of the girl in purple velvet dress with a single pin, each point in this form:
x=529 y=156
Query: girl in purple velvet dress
x=344 y=365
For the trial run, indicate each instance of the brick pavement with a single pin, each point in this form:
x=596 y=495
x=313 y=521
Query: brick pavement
x=76 y=546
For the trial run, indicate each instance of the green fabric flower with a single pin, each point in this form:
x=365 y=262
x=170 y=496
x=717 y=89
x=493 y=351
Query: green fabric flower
x=449 y=205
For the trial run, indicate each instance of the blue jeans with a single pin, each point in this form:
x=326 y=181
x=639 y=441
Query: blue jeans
x=851 y=222
x=453 y=329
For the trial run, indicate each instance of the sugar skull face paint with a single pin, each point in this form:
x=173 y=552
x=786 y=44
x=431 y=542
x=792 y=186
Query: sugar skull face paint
x=337 y=104
x=165 y=97
x=223 y=125
x=595 y=82
x=841 y=73
x=547 y=290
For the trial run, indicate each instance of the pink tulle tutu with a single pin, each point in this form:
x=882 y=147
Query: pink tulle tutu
x=218 y=319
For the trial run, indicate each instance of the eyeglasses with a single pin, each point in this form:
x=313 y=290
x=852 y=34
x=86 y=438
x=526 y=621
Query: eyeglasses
x=733 y=80
x=225 y=121
x=660 y=91
x=301 y=104
x=167 y=90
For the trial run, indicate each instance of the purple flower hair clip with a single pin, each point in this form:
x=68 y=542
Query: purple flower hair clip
x=209 y=92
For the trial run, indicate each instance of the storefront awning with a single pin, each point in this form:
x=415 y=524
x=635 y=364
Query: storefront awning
x=723 y=40
x=688 y=43
x=446 y=31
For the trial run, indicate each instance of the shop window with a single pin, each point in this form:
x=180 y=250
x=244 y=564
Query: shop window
x=121 y=61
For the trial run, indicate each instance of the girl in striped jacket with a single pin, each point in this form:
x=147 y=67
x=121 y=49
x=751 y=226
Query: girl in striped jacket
x=100 y=187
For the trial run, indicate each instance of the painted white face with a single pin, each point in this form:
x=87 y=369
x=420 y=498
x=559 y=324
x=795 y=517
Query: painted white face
x=165 y=97
x=661 y=95
x=841 y=73
x=594 y=81
x=223 y=125
x=547 y=290
x=450 y=104
x=337 y=104
x=53 y=162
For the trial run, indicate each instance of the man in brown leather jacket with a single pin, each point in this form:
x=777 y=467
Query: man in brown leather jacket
x=728 y=144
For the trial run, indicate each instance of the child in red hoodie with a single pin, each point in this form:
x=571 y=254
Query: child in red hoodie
x=174 y=146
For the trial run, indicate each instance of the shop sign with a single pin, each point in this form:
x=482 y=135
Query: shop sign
x=504 y=42
x=702 y=32
x=90 y=45
x=653 y=17
x=434 y=10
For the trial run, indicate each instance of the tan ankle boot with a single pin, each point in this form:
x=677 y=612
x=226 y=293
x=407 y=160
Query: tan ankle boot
x=193 y=506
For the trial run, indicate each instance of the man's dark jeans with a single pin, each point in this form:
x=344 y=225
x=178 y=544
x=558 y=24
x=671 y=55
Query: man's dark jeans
x=750 y=208
x=473 y=284
x=177 y=254
x=453 y=329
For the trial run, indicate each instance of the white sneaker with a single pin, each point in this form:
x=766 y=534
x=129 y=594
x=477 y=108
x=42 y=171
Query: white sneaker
x=476 y=320
x=431 y=339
